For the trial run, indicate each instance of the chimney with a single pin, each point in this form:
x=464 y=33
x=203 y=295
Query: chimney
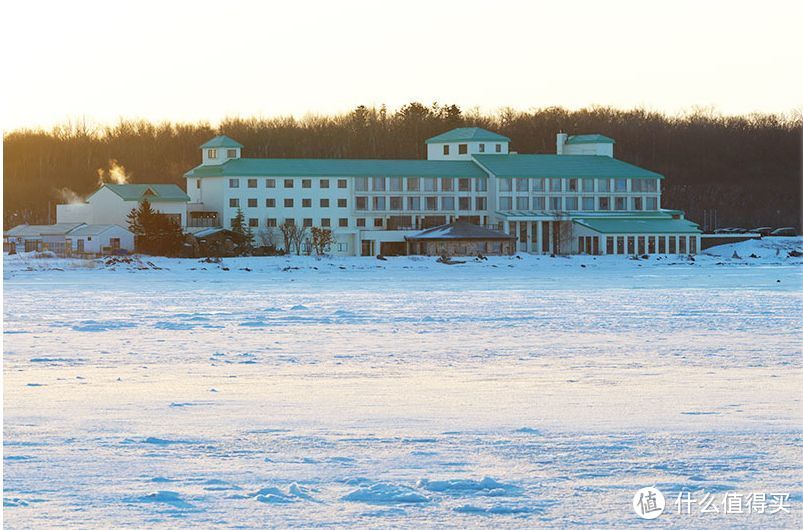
x=561 y=141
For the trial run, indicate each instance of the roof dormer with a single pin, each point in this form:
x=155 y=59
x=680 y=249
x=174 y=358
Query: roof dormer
x=219 y=150
x=462 y=143
x=585 y=144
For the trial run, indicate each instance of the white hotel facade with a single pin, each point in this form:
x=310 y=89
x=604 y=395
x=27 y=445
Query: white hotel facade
x=579 y=200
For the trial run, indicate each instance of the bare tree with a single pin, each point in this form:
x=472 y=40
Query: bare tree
x=322 y=240
x=288 y=230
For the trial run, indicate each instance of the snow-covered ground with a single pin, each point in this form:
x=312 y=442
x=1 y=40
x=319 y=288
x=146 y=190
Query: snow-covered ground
x=513 y=392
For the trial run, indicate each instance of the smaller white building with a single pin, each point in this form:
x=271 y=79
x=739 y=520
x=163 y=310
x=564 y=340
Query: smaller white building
x=100 y=239
x=67 y=239
x=111 y=204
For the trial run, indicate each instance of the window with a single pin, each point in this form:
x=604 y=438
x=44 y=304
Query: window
x=412 y=184
x=505 y=184
x=681 y=244
x=378 y=222
x=343 y=222
x=672 y=245
x=447 y=203
x=651 y=185
x=378 y=184
x=505 y=203
x=432 y=203
x=588 y=185
x=537 y=184
x=480 y=203
x=638 y=203
x=396 y=203
x=609 y=245
x=198 y=184
x=555 y=184
x=252 y=183
x=637 y=185
x=324 y=203
x=652 y=203
x=603 y=184
x=619 y=184
x=481 y=184
x=234 y=203
x=270 y=183
x=620 y=203
x=323 y=183
x=234 y=183
x=271 y=222
x=288 y=203
x=270 y=203
x=342 y=203
x=571 y=203
x=447 y=184
x=252 y=203
x=342 y=184
x=604 y=203
x=572 y=185
x=522 y=184
x=307 y=222
x=588 y=203
x=231 y=153
x=306 y=203
x=464 y=203
x=413 y=203
x=464 y=185
x=326 y=222
x=395 y=184
x=361 y=183
x=253 y=222
x=462 y=149
x=430 y=184
x=692 y=245
x=522 y=203
x=445 y=149
x=361 y=221
x=288 y=183
x=114 y=242
x=212 y=153
x=555 y=203
x=631 y=245
x=290 y=221
x=498 y=148
x=539 y=203
x=482 y=148
x=379 y=204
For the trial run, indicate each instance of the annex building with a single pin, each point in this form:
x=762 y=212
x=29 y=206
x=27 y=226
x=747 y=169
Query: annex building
x=580 y=200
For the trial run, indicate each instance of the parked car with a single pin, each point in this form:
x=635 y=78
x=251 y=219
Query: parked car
x=785 y=231
x=762 y=230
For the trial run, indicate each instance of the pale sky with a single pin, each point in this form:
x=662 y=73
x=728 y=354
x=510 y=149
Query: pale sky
x=204 y=60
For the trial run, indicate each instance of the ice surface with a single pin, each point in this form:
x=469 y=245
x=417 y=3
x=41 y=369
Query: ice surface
x=512 y=393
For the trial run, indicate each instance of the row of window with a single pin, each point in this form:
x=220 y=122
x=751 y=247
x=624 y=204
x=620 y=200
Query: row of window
x=578 y=185
x=382 y=203
x=586 y=204
x=270 y=202
x=326 y=222
x=288 y=183
x=646 y=245
x=462 y=149
x=230 y=153
x=430 y=184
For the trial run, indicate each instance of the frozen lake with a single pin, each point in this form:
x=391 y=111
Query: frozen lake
x=507 y=393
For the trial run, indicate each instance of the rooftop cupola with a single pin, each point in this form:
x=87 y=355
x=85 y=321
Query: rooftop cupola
x=219 y=150
x=464 y=142
x=584 y=144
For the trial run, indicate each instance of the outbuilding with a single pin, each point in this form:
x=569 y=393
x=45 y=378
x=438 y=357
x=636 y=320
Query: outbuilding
x=460 y=239
x=100 y=239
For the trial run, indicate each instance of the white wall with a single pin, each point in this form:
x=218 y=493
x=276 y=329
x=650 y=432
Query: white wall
x=435 y=151
x=74 y=213
x=600 y=149
x=222 y=156
x=109 y=208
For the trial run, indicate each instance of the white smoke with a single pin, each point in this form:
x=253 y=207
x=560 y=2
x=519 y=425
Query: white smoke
x=115 y=174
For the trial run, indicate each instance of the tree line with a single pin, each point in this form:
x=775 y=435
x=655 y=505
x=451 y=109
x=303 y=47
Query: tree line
x=745 y=168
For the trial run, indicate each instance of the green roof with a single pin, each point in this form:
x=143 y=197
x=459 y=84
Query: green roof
x=222 y=141
x=338 y=167
x=640 y=226
x=590 y=139
x=562 y=166
x=468 y=134
x=153 y=192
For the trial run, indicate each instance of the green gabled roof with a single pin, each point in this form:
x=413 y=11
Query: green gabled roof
x=338 y=167
x=562 y=166
x=222 y=141
x=468 y=134
x=640 y=226
x=153 y=192
x=589 y=139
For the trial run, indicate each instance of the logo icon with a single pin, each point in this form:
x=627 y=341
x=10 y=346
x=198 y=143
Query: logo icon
x=648 y=503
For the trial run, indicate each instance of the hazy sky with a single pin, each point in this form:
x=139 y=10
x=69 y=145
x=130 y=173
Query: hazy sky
x=204 y=60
